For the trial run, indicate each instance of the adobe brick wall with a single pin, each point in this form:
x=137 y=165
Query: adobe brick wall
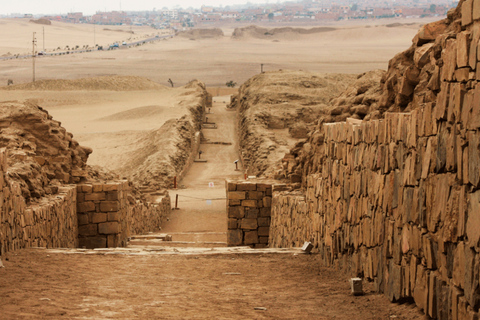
x=398 y=202
x=107 y=215
x=51 y=222
x=248 y=210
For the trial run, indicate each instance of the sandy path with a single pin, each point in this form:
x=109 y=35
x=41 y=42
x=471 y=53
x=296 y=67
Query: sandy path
x=201 y=217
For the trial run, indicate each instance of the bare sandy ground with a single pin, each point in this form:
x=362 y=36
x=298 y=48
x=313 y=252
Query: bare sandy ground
x=16 y=35
x=349 y=49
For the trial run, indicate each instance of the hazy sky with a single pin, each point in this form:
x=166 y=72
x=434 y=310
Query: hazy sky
x=89 y=7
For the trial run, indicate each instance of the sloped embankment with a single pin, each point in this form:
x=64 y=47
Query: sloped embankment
x=161 y=154
x=278 y=109
x=42 y=154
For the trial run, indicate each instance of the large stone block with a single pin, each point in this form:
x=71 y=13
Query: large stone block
x=235 y=237
x=450 y=60
x=251 y=213
x=236 y=212
x=237 y=195
x=232 y=224
x=420 y=292
x=467 y=12
x=463 y=49
x=111 y=187
x=93 y=242
x=249 y=224
x=88 y=230
x=474 y=158
x=109 y=206
x=98 y=217
x=249 y=203
x=99 y=196
x=85 y=207
x=82 y=219
x=109 y=228
x=476 y=10
x=473 y=222
x=245 y=186
x=251 y=237
x=264 y=231
x=431 y=31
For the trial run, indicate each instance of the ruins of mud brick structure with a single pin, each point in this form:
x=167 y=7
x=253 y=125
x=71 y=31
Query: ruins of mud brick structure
x=89 y=215
x=396 y=200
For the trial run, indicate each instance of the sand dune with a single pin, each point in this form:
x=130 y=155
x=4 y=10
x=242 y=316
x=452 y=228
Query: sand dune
x=196 y=34
x=135 y=113
x=283 y=33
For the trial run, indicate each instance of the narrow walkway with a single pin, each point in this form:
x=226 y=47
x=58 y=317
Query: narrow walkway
x=201 y=220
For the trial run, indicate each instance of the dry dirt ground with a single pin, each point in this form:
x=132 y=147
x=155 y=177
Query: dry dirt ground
x=348 y=49
x=153 y=282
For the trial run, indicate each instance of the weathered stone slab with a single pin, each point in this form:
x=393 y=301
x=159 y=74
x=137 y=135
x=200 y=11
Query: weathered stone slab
x=234 y=237
x=467 y=12
x=249 y=224
x=463 y=48
x=251 y=237
x=236 y=195
x=109 y=228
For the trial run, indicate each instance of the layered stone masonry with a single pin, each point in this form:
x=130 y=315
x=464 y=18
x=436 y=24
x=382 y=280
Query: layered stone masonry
x=89 y=215
x=50 y=222
x=397 y=202
x=102 y=215
x=248 y=209
x=108 y=216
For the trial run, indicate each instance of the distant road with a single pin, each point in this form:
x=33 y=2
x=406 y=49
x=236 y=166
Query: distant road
x=125 y=46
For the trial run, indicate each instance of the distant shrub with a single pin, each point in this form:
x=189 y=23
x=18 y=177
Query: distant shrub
x=231 y=84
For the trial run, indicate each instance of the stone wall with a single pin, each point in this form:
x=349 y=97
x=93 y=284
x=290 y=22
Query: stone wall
x=108 y=214
x=49 y=222
x=94 y=215
x=248 y=209
x=397 y=202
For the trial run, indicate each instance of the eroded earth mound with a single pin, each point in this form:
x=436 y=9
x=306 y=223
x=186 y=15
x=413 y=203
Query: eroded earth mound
x=197 y=34
x=279 y=108
x=42 y=154
x=285 y=33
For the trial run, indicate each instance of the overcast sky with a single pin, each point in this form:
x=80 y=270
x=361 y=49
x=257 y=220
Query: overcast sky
x=89 y=7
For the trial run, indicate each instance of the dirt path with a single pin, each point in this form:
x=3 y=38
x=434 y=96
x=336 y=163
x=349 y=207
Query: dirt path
x=149 y=280
x=201 y=216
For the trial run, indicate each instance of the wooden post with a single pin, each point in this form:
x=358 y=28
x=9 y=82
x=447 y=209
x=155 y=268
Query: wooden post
x=175 y=182
x=176 y=202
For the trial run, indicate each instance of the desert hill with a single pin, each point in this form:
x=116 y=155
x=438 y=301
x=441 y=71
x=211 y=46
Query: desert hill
x=283 y=33
x=110 y=83
x=197 y=34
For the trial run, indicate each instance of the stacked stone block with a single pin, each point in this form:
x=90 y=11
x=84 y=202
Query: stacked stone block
x=147 y=217
x=398 y=202
x=50 y=222
x=108 y=215
x=248 y=208
x=102 y=215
